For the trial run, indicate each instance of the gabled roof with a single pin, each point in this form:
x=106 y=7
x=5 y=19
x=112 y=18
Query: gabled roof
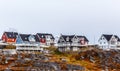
x=36 y=38
x=11 y=34
x=68 y=36
x=107 y=37
x=24 y=37
x=42 y=35
x=71 y=37
x=83 y=37
x=65 y=38
x=117 y=37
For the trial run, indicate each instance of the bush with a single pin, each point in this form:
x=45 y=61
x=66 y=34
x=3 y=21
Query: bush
x=57 y=52
x=51 y=48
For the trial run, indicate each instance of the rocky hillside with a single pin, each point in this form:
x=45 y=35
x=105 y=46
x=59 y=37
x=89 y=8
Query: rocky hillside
x=104 y=60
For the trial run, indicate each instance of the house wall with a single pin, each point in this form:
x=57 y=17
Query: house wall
x=8 y=40
x=29 y=48
x=103 y=43
x=42 y=40
x=75 y=41
x=31 y=39
x=83 y=42
x=75 y=48
x=49 y=41
x=62 y=49
x=11 y=40
x=113 y=41
x=9 y=51
x=86 y=43
x=46 y=41
x=118 y=43
x=61 y=44
x=19 y=40
x=4 y=38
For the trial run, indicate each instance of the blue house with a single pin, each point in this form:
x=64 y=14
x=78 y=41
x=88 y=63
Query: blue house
x=28 y=43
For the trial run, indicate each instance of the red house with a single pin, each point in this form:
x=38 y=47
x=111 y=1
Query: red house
x=9 y=37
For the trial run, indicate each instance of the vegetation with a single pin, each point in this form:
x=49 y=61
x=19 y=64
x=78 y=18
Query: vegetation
x=10 y=47
x=91 y=58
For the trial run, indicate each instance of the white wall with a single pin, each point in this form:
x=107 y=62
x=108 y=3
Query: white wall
x=103 y=43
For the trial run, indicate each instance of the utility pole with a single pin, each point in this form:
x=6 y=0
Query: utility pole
x=94 y=41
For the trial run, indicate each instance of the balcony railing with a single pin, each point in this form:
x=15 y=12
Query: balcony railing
x=28 y=48
x=60 y=45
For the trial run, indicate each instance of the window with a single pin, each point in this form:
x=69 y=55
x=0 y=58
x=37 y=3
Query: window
x=104 y=46
x=113 y=42
x=25 y=38
x=103 y=38
x=12 y=39
x=42 y=36
x=10 y=35
x=47 y=37
x=67 y=39
x=104 y=42
x=31 y=38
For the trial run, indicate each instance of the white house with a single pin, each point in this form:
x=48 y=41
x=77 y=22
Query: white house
x=107 y=41
x=71 y=42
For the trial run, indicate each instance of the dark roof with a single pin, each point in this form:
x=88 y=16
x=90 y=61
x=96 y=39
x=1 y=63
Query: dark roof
x=11 y=34
x=71 y=37
x=117 y=37
x=24 y=37
x=83 y=37
x=36 y=38
x=108 y=37
x=65 y=38
x=42 y=35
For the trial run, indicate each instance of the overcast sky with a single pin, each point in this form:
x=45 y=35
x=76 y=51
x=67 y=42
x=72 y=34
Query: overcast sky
x=83 y=17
